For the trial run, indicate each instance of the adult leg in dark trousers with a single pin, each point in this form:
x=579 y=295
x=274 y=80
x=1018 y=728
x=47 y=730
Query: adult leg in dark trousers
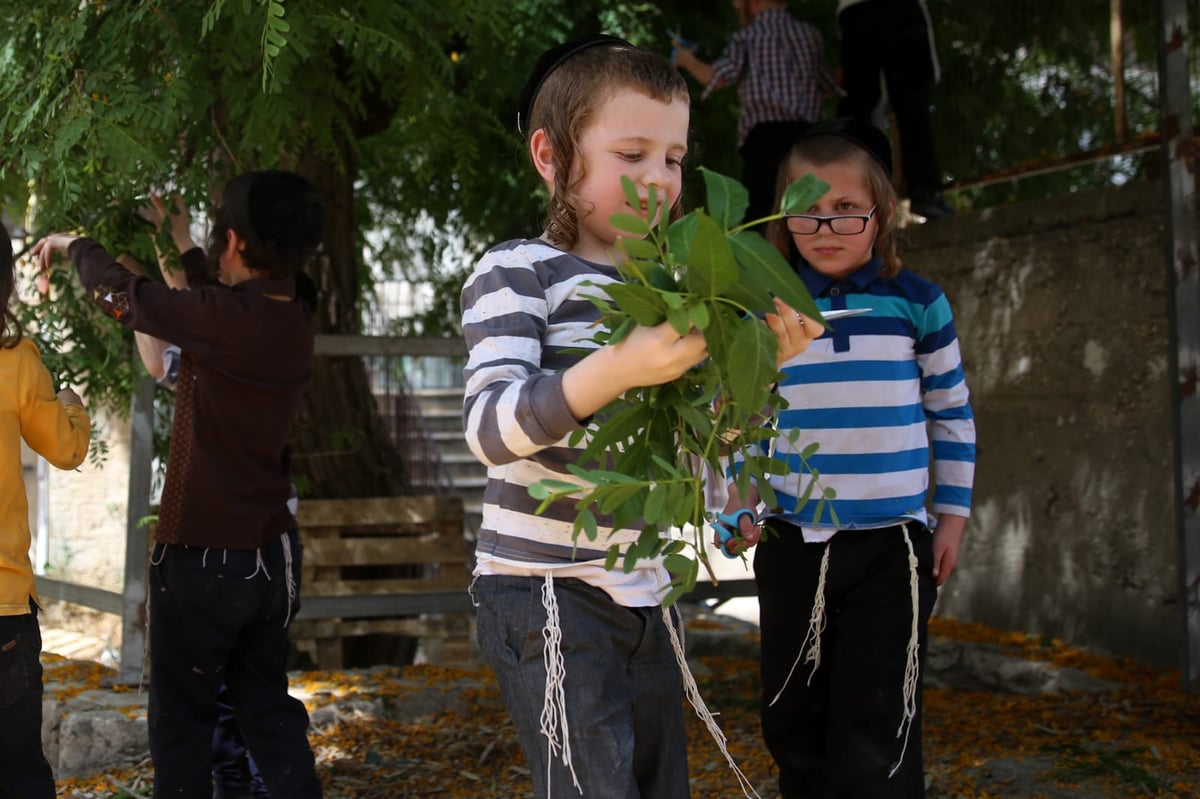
x=24 y=771
x=835 y=738
x=891 y=40
x=208 y=624
x=764 y=150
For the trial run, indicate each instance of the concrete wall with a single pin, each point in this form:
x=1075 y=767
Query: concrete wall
x=1061 y=307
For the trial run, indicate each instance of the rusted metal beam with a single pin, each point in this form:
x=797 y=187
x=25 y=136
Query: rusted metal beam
x=1116 y=39
x=1183 y=280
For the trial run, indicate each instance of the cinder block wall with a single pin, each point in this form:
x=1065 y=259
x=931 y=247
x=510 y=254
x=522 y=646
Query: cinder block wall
x=1061 y=306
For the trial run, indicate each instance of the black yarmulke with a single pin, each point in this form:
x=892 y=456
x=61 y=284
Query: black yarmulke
x=548 y=62
x=864 y=134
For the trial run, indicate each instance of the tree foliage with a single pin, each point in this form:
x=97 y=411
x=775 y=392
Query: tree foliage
x=403 y=114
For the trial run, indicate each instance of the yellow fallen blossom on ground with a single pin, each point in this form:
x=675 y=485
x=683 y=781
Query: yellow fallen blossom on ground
x=1140 y=737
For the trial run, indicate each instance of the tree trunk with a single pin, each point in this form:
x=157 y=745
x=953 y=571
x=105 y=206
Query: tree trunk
x=341 y=447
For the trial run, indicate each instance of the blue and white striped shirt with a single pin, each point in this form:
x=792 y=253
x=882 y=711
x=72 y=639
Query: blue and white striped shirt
x=885 y=398
x=779 y=66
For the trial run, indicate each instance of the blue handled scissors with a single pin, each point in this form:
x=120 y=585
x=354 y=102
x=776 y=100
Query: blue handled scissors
x=728 y=525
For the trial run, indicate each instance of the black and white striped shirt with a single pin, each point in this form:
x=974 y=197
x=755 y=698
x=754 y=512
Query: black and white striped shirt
x=526 y=319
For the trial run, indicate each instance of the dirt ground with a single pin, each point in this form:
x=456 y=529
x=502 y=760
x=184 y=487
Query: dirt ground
x=434 y=731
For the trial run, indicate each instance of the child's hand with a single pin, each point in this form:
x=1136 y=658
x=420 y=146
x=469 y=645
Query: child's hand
x=795 y=331
x=43 y=253
x=947 y=539
x=178 y=219
x=68 y=397
x=749 y=528
x=650 y=356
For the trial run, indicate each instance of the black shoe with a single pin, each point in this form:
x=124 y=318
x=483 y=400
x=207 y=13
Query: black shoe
x=930 y=206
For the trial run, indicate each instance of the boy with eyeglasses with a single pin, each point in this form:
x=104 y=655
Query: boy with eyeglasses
x=846 y=584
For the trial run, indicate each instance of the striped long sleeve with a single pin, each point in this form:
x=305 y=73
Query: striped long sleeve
x=526 y=319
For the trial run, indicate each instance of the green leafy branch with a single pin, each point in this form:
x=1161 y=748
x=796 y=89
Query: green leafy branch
x=645 y=458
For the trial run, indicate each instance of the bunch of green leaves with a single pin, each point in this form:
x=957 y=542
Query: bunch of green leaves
x=644 y=459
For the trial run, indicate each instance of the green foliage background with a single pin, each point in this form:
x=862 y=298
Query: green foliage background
x=412 y=103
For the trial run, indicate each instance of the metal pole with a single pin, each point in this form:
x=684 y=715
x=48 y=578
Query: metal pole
x=141 y=465
x=1183 y=280
x=1116 y=31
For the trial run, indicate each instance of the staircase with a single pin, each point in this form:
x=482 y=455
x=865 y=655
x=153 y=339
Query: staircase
x=441 y=409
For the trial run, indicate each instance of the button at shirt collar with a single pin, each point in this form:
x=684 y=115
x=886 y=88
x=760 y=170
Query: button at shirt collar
x=820 y=285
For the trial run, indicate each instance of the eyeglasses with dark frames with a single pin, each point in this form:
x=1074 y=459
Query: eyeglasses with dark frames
x=846 y=225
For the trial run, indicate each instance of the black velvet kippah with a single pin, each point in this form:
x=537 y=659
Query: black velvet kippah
x=551 y=60
x=865 y=135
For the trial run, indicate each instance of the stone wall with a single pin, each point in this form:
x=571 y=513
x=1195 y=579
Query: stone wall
x=1061 y=307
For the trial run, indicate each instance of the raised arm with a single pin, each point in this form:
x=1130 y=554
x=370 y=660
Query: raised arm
x=179 y=225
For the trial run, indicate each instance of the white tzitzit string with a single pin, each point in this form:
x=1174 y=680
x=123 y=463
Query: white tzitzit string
x=554 y=703
x=693 y=694
x=289 y=578
x=816 y=626
x=912 y=664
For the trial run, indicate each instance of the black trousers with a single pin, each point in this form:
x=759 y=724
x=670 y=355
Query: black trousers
x=836 y=736
x=766 y=145
x=218 y=616
x=891 y=38
x=24 y=771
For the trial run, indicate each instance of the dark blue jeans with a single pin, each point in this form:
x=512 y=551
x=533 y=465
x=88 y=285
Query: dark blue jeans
x=219 y=616
x=24 y=772
x=836 y=737
x=623 y=693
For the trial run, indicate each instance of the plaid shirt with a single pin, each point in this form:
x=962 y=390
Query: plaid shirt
x=779 y=66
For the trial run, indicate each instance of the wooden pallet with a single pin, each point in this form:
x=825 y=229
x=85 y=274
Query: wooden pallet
x=369 y=562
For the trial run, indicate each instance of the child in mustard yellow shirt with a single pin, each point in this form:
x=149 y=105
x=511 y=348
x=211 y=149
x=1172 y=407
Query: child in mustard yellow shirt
x=58 y=429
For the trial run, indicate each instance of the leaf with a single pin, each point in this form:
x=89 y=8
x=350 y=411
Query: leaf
x=711 y=266
x=722 y=326
x=630 y=191
x=681 y=235
x=764 y=262
x=655 y=503
x=545 y=489
x=640 y=302
x=680 y=320
x=802 y=194
x=587 y=522
x=753 y=352
x=727 y=198
x=622 y=331
x=638 y=248
x=631 y=223
x=698 y=314
x=657 y=275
